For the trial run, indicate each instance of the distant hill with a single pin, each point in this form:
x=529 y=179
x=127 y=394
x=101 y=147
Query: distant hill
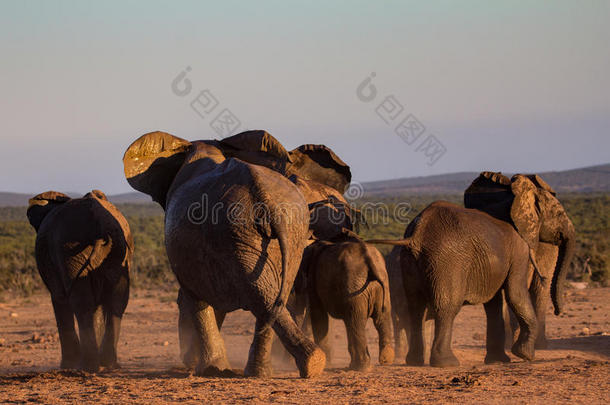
x=19 y=199
x=583 y=180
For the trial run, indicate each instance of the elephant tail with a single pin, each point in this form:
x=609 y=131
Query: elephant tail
x=393 y=242
x=532 y=257
x=96 y=250
x=279 y=304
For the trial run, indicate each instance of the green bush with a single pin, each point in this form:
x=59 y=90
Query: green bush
x=18 y=273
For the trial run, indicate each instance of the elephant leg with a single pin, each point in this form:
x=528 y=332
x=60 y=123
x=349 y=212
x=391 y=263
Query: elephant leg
x=495 y=330
x=90 y=326
x=320 y=326
x=417 y=312
x=540 y=293
x=189 y=348
x=310 y=359
x=114 y=307
x=70 y=346
x=259 y=357
x=383 y=325
x=211 y=347
x=299 y=315
x=110 y=341
x=511 y=326
x=519 y=301
x=441 y=354
x=399 y=321
x=355 y=326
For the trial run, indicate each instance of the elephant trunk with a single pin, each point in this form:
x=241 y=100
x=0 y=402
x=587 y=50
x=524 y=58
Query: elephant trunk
x=564 y=258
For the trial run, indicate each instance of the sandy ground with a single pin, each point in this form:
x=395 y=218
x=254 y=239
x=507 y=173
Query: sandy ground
x=574 y=369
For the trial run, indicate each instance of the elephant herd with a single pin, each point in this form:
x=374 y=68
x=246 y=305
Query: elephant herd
x=252 y=226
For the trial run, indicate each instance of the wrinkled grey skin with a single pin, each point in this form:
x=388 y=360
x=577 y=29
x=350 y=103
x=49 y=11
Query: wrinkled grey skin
x=530 y=205
x=453 y=256
x=245 y=258
x=347 y=280
x=83 y=252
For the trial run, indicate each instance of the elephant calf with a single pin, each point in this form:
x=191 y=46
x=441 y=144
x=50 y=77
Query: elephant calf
x=347 y=279
x=83 y=252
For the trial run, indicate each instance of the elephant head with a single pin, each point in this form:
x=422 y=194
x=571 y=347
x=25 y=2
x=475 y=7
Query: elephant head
x=42 y=204
x=531 y=206
x=320 y=164
x=322 y=177
x=155 y=162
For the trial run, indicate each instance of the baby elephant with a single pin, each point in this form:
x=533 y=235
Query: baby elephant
x=347 y=279
x=83 y=251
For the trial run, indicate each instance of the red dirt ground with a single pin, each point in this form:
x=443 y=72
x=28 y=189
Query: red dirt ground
x=574 y=369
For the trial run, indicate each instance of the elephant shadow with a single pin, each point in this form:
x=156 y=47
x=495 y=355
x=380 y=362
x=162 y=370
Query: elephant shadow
x=597 y=344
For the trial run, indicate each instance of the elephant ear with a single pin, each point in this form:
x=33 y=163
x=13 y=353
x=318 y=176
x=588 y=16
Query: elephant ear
x=491 y=193
x=40 y=205
x=257 y=147
x=320 y=164
x=537 y=180
x=152 y=162
x=96 y=194
x=524 y=211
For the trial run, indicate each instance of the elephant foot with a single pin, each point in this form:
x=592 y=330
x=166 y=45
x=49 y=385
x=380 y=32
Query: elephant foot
x=541 y=343
x=313 y=364
x=213 y=371
x=217 y=368
x=109 y=361
x=499 y=357
x=399 y=352
x=261 y=371
x=67 y=364
x=92 y=366
x=360 y=366
x=189 y=359
x=444 y=360
x=524 y=350
x=386 y=355
x=415 y=359
x=327 y=352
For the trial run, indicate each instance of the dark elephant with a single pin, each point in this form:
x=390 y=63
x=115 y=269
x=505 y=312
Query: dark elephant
x=347 y=279
x=531 y=206
x=83 y=252
x=452 y=256
x=235 y=230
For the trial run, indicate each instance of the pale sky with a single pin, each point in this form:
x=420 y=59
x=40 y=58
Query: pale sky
x=517 y=86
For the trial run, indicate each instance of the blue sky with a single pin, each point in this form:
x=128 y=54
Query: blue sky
x=515 y=86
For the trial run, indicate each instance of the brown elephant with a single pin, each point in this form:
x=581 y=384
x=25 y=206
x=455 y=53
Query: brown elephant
x=531 y=206
x=235 y=230
x=347 y=279
x=83 y=252
x=451 y=256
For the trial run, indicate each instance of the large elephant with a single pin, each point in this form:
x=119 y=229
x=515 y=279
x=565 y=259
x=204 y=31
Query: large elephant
x=347 y=279
x=235 y=230
x=530 y=205
x=452 y=256
x=83 y=252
